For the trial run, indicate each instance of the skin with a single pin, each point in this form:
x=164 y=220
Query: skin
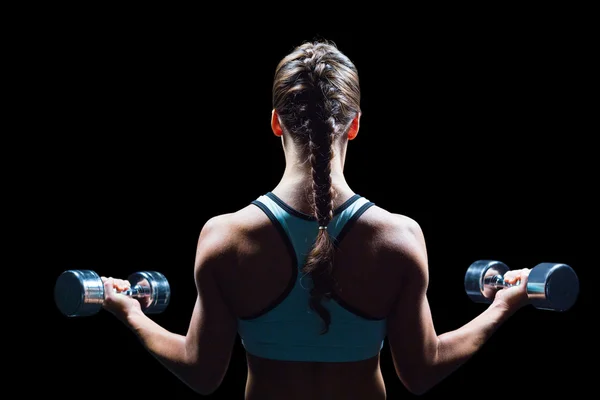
x=386 y=276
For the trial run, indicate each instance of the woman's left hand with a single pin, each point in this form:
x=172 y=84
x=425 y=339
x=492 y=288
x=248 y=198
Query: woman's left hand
x=115 y=302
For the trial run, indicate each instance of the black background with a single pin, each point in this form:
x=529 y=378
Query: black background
x=136 y=132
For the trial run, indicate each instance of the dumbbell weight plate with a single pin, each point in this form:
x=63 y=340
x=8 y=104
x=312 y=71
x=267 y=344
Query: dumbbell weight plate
x=157 y=285
x=475 y=276
x=79 y=293
x=552 y=286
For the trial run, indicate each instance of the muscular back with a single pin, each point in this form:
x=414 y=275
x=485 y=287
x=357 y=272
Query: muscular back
x=369 y=277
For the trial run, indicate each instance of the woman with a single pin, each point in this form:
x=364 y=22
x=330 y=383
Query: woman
x=312 y=276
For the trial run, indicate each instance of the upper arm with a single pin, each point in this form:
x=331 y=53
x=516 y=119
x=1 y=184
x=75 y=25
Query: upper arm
x=213 y=327
x=411 y=333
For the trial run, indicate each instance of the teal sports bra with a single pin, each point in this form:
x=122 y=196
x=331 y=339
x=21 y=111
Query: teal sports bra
x=288 y=329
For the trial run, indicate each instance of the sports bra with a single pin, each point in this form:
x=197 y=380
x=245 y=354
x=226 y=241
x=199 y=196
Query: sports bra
x=288 y=329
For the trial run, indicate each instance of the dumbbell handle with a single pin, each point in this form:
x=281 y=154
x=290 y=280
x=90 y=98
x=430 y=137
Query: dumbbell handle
x=137 y=291
x=498 y=282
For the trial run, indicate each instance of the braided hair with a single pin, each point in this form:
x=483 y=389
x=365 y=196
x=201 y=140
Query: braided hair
x=316 y=93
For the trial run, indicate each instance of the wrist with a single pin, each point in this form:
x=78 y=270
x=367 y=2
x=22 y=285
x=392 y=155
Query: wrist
x=132 y=318
x=501 y=310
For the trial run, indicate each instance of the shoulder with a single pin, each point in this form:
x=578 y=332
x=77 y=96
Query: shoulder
x=392 y=230
x=225 y=237
x=398 y=239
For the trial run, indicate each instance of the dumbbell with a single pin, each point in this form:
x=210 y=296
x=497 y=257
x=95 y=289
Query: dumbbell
x=550 y=286
x=79 y=292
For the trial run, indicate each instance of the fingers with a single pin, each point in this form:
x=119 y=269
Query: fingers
x=115 y=301
x=108 y=286
x=115 y=285
x=517 y=275
x=525 y=275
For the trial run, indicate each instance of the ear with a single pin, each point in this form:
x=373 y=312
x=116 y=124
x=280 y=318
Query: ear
x=354 y=126
x=275 y=125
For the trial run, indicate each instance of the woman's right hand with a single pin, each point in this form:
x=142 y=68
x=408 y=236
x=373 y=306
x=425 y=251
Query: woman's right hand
x=514 y=297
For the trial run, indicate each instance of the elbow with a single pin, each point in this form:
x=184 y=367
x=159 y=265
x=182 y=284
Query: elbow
x=204 y=388
x=418 y=386
x=205 y=383
x=420 y=377
x=204 y=391
x=416 y=379
x=202 y=375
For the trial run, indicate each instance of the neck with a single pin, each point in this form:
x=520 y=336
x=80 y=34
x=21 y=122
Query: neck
x=296 y=182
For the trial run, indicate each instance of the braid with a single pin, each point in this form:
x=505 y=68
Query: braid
x=316 y=94
x=319 y=264
x=321 y=154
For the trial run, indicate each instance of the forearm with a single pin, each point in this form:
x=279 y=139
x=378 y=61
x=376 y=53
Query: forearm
x=167 y=347
x=454 y=348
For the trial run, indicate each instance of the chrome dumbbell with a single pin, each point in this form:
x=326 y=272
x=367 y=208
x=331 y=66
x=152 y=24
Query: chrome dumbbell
x=550 y=286
x=79 y=293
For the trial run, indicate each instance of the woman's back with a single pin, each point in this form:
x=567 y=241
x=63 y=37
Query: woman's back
x=367 y=284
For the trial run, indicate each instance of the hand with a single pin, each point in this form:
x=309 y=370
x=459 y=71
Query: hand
x=514 y=297
x=116 y=303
